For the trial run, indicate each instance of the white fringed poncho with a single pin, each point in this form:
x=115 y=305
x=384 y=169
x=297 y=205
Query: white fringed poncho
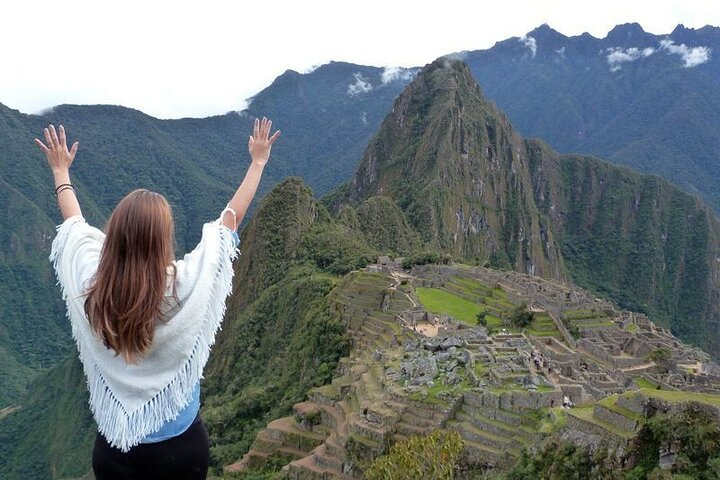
x=130 y=401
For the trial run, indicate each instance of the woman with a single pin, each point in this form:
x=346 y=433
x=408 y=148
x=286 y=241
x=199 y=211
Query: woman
x=143 y=322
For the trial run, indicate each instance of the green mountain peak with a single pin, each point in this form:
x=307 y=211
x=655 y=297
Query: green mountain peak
x=455 y=165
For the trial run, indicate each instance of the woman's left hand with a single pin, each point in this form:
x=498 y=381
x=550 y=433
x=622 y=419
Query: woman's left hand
x=260 y=142
x=55 y=149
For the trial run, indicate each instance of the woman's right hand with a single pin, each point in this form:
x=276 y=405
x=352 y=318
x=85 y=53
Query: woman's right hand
x=58 y=156
x=259 y=144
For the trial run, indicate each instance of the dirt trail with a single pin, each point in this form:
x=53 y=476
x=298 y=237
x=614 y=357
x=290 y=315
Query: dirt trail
x=398 y=278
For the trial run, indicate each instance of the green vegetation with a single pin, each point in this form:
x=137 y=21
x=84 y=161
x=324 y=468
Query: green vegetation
x=521 y=317
x=582 y=313
x=564 y=461
x=631 y=328
x=385 y=228
x=490 y=303
x=284 y=339
x=692 y=432
x=52 y=434
x=333 y=248
x=611 y=404
x=555 y=420
x=442 y=302
x=436 y=394
x=643 y=383
x=586 y=412
x=661 y=357
x=269 y=471
x=433 y=456
x=542 y=325
x=676 y=396
x=426 y=258
x=572 y=327
x=625 y=264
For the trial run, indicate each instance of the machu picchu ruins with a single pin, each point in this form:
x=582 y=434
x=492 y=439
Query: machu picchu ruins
x=581 y=368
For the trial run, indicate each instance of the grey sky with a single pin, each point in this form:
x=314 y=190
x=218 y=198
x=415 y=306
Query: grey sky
x=181 y=58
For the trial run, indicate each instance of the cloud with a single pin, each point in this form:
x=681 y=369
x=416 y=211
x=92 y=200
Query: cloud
x=692 y=57
x=530 y=43
x=618 y=56
x=242 y=108
x=462 y=56
x=361 y=85
x=311 y=68
x=391 y=74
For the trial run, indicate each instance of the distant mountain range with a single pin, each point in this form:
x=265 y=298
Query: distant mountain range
x=651 y=102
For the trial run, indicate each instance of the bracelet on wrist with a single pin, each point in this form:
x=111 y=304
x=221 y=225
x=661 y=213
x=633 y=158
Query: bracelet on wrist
x=63 y=187
x=57 y=188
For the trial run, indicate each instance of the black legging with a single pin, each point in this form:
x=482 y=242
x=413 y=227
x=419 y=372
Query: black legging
x=185 y=457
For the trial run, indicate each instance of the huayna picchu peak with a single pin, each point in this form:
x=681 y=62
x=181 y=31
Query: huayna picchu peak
x=454 y=164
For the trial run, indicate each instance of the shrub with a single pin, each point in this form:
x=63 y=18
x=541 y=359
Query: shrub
x=434 y=456
x=521 y=317
x=426 y=258
x=481 y=320
x=661 y=357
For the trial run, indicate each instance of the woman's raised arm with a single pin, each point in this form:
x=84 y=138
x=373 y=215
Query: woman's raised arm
x=259 y=144
x=60 y=158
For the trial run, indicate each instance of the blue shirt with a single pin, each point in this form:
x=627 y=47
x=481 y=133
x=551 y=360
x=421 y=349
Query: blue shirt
x=176 y=427
x=185 y=418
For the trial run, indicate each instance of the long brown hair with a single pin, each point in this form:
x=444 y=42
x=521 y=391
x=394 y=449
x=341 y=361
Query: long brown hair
x=126 y=297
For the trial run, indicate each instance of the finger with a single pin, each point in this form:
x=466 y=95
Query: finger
x=263 y=131
x=256 y=128
x=74 y=149
x=269 y=127
x=42 y=146
x=266 y=131
x=250 y=142
x=53 y=135
x=48 y=138
x=63 y=140
x=275 y=136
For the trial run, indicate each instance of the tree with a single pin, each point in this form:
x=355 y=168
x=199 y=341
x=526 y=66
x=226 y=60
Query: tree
x=661 y=357
x=481 y=320
x=433 y=456
x=521 y=316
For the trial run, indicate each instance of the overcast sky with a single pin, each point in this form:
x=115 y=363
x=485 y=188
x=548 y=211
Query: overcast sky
x=174 y=59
